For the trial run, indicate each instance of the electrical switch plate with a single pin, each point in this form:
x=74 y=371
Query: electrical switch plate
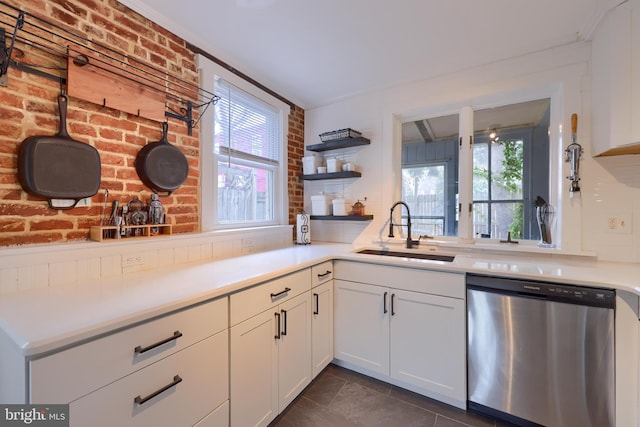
x=619 y=223
x=132 y=260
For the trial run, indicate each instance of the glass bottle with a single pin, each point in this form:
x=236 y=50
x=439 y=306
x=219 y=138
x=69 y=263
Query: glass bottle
x=155 y=213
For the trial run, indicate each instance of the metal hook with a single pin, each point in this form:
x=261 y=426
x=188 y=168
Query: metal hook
x=7 y=59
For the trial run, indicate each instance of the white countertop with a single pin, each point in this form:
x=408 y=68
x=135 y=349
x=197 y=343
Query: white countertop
x=43 y=320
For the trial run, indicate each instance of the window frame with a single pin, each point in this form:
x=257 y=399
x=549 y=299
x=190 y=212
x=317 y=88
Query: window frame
x=527 y=199
x=447 y=196
x=466 y=108
x=209 y=72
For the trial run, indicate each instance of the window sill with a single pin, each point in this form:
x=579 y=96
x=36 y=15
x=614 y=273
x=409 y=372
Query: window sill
x=452 y=245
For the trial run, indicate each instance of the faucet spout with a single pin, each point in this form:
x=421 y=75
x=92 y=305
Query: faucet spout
x=410 y=242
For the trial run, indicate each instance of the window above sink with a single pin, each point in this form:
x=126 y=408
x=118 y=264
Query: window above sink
x=494 y=175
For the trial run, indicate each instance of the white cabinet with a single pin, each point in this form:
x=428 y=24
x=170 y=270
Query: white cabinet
x=435 y=358
x=616 y=81
x=322 y=316
x=361 y=325
x=294 y=352
x=404 y=325
x=219 y=417
x=155 y=373
x=254 y=371
x=270 y=350
x=176 y=391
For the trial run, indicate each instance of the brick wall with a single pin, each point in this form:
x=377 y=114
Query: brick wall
x=296 y=152
x=28 y=106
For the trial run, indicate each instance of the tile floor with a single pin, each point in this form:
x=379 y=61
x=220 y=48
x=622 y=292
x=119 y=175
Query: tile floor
x=339 y=397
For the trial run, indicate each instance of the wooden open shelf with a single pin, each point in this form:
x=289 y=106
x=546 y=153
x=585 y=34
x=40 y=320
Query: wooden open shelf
x=343 y=217
x=331 y=175
x=104 y=233
x=339 y=143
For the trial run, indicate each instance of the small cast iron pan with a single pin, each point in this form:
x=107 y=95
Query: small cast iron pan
x=161 y=166
x=59 y=168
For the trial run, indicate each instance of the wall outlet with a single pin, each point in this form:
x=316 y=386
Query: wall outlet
x=131 y=260
x=619 y=223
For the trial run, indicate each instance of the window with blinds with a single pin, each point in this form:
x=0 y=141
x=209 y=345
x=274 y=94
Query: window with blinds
x=247 y=147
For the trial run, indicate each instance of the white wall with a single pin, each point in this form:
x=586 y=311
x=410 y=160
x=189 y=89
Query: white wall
x=609 y=186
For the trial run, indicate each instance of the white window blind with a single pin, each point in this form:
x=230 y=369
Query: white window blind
x=246 y=127
x=247 y=149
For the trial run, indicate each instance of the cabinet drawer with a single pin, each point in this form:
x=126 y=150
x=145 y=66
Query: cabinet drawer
x=410 y=279
x=69 y=374
x=191 y=383
x=262 y=297
x=321 y=273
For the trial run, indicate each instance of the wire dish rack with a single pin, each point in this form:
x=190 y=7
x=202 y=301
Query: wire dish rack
x=339 y=134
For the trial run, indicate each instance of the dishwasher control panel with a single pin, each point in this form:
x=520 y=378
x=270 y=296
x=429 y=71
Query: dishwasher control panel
x=583 y=295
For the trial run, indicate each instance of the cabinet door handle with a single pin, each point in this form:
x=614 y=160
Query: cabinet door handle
x=393 y=298
x=284 y=318
x=323 y=275
x=142 y=400
x=384 y=303
x=140 y=349
x=277 y=325
x=280 y=293
x=317 y=309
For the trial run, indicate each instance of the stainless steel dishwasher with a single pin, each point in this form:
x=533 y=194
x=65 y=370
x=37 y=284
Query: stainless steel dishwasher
x=540 y=354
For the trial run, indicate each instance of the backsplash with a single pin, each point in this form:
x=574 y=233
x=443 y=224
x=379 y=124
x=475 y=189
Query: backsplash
x=83 y=264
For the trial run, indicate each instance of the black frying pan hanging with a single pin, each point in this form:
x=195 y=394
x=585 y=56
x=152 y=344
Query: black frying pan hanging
x=161 y=166
x=59 y=168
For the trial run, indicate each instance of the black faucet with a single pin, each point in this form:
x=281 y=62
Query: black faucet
x=410 y=242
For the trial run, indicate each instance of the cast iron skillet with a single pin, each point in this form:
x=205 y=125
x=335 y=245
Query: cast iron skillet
x=161 y=166
x=59 y=168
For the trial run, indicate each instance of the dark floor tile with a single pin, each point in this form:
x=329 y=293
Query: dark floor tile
x=324 y=389
x=306 y=413
x=371 y=408
x=448 y=422
x=448 y=411
x=358 y=378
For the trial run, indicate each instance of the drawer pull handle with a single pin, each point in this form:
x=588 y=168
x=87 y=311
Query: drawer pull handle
x=323 y=275
x=140 y=349
x=142 y=400
x=279 y=294
x=317 y=309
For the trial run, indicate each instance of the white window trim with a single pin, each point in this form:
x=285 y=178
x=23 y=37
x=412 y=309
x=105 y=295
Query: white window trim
x=392 y=124
x=209 y=71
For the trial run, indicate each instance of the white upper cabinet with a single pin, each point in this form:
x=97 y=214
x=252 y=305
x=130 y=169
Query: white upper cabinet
x=616 y=82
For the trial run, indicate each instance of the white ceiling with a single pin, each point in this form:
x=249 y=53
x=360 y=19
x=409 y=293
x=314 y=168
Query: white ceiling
x=314 y=52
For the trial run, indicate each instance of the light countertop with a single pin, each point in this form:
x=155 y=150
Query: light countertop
x=42 y=320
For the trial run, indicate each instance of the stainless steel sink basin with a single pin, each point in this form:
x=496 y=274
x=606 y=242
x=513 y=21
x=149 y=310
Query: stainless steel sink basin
x=417 y=255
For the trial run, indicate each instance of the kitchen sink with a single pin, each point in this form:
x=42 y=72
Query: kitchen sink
x=417 y=255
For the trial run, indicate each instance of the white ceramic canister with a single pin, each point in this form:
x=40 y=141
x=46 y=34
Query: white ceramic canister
x=334 y=165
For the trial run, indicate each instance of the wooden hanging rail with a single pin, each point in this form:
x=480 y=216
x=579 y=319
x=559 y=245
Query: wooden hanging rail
x=95 y=72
